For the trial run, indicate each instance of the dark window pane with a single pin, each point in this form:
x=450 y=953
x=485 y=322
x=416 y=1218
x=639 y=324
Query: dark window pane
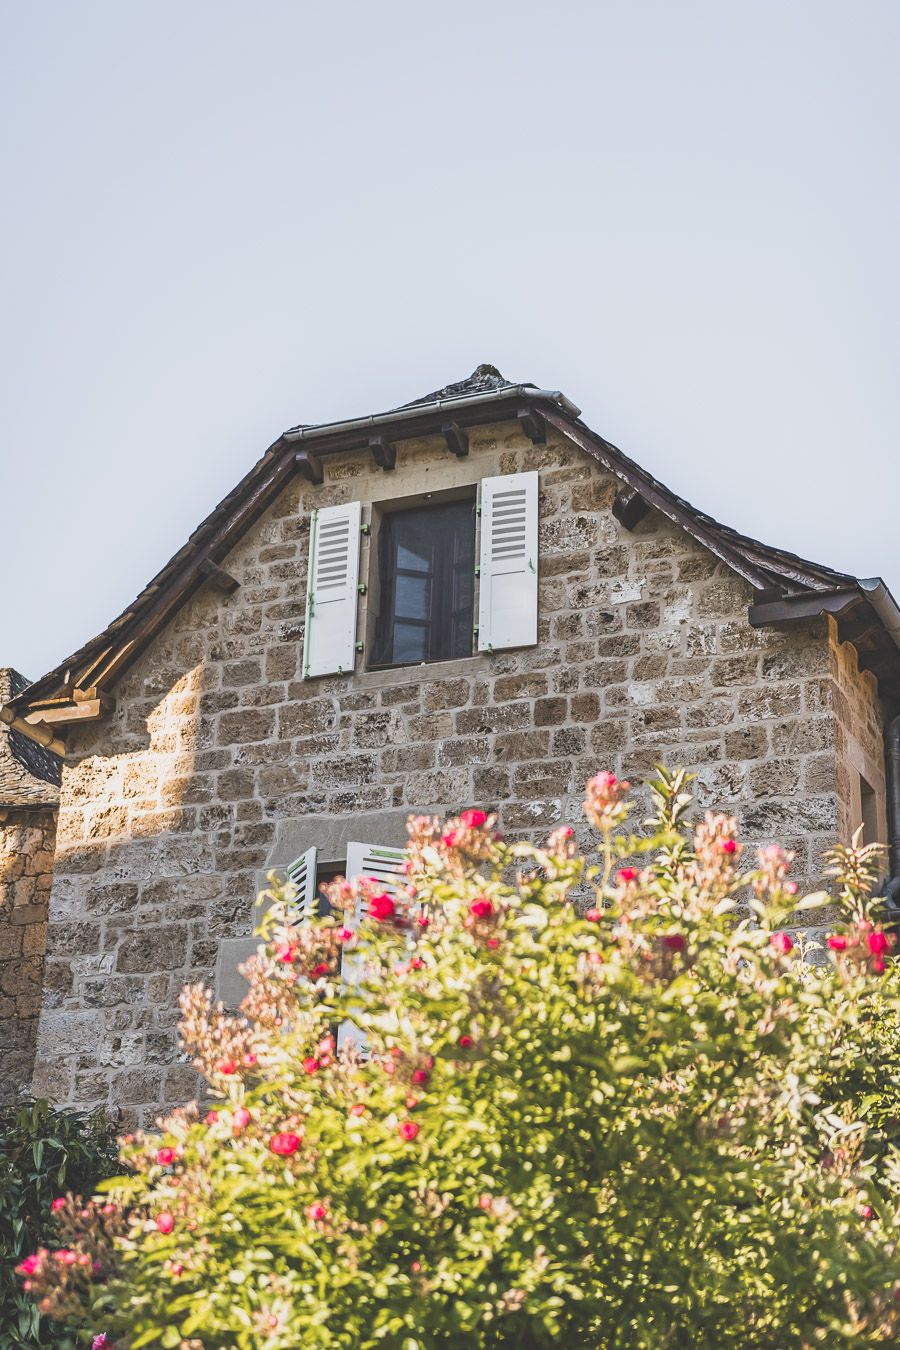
x=427 y=569
x=411 y=557
x=412 y=597
x=410 y=642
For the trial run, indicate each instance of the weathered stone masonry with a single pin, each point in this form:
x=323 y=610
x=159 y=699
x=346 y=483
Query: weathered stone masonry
x=28 y=796
x=219 y=761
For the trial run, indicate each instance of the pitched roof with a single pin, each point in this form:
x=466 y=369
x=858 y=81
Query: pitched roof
x=486 y=396
x=29 y=774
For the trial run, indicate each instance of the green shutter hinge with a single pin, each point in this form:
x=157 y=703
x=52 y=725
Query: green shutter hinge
x=478 y=571
x=362 y=588
x=359 y=646
x=531 y=566
x=475 y=630
x=478 y=510
x=365 y=529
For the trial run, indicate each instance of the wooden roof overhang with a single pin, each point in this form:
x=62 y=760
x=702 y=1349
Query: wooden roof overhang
x=80 y=688
x=857 y=623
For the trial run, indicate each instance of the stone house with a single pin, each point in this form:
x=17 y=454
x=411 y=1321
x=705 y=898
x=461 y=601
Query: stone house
x=29 y=797
x=472 y=599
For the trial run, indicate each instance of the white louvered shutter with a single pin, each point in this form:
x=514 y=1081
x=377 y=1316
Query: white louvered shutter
x=331 y=591
x=301 y=873
x=368 y=860
x=508 y=588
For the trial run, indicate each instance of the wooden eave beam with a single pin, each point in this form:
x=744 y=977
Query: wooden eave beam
x=457 y=439
x=629 y=507
x=794 y=609
x=384 y=452
x=310 y=466
x=218 y=577
x=84 y=710
x=533 y=425
x=37 y=731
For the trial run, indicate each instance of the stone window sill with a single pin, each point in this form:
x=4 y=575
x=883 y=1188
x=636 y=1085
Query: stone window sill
x=419 y=674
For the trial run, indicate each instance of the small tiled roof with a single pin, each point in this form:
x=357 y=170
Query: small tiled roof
x=29 y=774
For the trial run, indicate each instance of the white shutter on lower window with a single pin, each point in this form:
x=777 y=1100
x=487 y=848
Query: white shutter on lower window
x=368 y=860
x=508 y=586
x=301 y=874
x=329 y=645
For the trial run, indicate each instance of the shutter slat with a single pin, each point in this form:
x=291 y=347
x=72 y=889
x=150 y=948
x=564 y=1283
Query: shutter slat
x=508 y=590
x=301 y=874
x=329 y=644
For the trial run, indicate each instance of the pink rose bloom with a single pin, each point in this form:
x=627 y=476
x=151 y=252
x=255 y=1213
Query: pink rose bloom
x=285 y=1144
x=473 y=819
x=782 y=943
x=381 y=908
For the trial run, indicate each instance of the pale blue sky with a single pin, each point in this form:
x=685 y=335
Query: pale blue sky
x=223 y=217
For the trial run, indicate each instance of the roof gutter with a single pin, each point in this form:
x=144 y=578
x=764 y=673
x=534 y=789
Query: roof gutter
x=443 y=405
x=884 y=605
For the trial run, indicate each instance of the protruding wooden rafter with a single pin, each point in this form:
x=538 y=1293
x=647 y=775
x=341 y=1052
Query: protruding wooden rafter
x=218 y=577
x=457 y=439
x=629 y=507
x=533 y=425
x=384 y=452
x=38 y=732
x=310 y=466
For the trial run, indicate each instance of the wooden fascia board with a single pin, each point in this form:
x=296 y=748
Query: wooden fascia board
x=796 y=608
x=65 y=714
x=608 y=456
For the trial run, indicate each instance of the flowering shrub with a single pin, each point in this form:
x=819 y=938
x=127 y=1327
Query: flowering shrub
x=598 y=1106
x=42 y=1151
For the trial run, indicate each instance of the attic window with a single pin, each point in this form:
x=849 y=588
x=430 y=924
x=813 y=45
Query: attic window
x=426 y=575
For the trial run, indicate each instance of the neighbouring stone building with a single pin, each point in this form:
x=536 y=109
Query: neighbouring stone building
x=29 y=796
x=473 y=599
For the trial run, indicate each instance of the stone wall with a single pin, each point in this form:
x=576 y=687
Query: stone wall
x=859 y=738
x=219 y=761
x=26 y=862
